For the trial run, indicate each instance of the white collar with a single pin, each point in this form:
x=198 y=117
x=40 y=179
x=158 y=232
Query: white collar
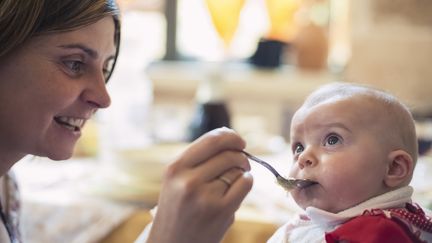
x=396 y=198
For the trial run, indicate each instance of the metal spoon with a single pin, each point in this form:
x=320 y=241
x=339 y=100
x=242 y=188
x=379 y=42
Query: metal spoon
x=287 y=184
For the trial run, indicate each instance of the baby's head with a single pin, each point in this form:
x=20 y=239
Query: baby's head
x=355 y=141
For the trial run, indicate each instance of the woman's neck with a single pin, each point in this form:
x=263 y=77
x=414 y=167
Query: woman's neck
x=8 y=159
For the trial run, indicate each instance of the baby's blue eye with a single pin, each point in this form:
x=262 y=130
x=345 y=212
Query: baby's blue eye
x=332 y=140
x=298 y=148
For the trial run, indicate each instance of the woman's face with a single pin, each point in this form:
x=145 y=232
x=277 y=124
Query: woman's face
x=49 y=88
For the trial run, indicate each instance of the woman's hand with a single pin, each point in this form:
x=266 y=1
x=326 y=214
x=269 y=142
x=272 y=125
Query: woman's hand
x=202 y=189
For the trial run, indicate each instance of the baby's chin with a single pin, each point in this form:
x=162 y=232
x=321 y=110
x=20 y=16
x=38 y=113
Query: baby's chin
x=325 y=205
x=319 y=203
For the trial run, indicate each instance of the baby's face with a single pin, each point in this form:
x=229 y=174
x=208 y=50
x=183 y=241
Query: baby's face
x=336 y=144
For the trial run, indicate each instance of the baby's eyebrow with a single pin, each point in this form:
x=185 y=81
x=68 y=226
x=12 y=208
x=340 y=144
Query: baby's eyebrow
x=334 y=124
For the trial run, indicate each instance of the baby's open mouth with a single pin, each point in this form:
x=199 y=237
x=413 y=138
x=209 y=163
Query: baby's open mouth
x=308 y=184
x=73 y=124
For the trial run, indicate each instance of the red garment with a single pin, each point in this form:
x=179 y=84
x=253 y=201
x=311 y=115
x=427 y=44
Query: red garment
x=384 y=226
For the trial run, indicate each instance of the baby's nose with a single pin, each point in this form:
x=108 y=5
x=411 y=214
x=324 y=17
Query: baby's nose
x=306 y=159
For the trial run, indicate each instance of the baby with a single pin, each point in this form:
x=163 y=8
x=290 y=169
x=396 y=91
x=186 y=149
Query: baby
x=359 y=145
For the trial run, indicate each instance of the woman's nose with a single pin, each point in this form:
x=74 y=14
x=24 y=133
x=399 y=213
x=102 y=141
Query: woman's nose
x=307 y=159
x=97 y=95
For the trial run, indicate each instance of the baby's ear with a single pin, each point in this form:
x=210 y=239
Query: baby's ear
x=399 y=169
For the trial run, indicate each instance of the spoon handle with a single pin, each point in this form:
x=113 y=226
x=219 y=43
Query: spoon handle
x=263 y=163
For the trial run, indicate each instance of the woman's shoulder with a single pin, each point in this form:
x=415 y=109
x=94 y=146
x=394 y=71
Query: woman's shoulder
x=10 y=206
x=9 y=192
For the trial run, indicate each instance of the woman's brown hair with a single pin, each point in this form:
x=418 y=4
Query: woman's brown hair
x=21 y=20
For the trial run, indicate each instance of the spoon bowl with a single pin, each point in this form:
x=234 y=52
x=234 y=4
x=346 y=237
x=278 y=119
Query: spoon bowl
x=287 y=183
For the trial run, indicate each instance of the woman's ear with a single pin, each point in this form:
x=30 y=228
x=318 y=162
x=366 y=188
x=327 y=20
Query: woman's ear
x=400 y=169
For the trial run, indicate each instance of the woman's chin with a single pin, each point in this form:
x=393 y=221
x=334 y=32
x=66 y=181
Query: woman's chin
x=60 y=155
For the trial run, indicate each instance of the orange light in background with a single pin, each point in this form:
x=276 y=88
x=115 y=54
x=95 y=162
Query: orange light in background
x=282 y=19
x=141 y=5
x=225 y=15
x=124 y=4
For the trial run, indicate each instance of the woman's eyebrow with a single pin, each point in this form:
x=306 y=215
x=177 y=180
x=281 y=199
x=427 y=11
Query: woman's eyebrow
x=92 y=53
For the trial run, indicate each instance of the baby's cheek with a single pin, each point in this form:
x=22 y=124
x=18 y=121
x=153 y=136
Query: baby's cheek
x=340 y=191
x=302 y=201
x=346 y=195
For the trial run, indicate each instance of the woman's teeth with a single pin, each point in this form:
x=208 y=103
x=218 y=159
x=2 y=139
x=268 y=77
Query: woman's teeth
x=70 y=123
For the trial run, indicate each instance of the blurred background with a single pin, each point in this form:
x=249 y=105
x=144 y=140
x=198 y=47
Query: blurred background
x=187 y=66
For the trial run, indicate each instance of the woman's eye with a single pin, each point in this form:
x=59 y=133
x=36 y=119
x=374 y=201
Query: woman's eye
x=332 y=140
x=107 y=73
x=74 y=66
x=108 y=69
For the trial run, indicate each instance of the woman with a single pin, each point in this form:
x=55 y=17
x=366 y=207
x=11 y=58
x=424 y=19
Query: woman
x=55 y=59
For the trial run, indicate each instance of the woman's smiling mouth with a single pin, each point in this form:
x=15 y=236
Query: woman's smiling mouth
x=73 y=124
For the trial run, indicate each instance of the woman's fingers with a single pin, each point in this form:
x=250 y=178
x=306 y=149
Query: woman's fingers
x=210 y=144
x=221 y=163
x=238 y=191
x=228 y=179
x=232 y=187
x=202 y=189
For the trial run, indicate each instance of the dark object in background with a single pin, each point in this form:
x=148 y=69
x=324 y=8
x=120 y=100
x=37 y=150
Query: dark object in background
x=424 y=131
x=424 y=145
x=208 y=116
x=211 y=109
x=268 y=53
